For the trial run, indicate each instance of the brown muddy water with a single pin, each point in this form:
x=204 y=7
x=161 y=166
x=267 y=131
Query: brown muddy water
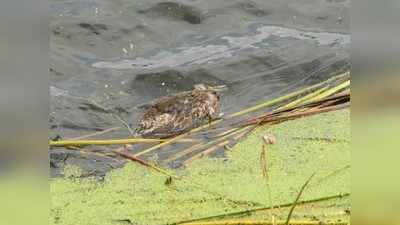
x=110 y=57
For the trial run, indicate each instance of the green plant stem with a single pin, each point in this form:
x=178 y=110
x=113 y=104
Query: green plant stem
x=249 y=212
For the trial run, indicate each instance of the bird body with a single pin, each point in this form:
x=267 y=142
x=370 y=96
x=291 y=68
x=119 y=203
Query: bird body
x=178 y=113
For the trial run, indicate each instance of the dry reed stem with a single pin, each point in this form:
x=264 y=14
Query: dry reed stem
x=329 y=92
x=294 y=115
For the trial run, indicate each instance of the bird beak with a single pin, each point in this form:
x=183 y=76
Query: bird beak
x=219 y=88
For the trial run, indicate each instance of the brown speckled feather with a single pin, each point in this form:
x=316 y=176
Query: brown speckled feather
x=175 y=114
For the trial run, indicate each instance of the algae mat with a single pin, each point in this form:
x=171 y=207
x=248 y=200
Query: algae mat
x=212 y=186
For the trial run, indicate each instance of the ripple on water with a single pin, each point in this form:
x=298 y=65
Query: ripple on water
x=195 y=55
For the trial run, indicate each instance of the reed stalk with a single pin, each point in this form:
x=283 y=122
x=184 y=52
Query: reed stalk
x=73 y=142
x=302 y=99
x=251 y=211
x=287 y=97
x=329 y=92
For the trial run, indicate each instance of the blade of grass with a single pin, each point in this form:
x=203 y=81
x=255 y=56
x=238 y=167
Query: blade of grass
x=297 y=198
x=249 y=212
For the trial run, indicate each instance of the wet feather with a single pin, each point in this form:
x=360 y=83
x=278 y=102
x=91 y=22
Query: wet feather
x=178 y=113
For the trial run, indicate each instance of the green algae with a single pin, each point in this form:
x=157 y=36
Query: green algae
x=138 y=195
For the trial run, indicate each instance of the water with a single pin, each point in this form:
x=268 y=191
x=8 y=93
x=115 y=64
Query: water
x=113 y=56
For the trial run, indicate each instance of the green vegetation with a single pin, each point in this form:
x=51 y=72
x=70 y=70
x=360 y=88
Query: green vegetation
x=211 y=186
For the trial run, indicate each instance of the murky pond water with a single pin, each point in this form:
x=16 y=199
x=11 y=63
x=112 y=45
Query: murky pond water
x=113 y=56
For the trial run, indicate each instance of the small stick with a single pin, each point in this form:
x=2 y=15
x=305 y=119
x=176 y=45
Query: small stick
x=297 y=198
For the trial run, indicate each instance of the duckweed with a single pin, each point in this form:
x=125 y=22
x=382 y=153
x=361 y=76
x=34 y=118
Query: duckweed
x=212 y=186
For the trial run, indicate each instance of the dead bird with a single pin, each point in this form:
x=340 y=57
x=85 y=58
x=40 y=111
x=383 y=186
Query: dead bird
x=175 y=114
